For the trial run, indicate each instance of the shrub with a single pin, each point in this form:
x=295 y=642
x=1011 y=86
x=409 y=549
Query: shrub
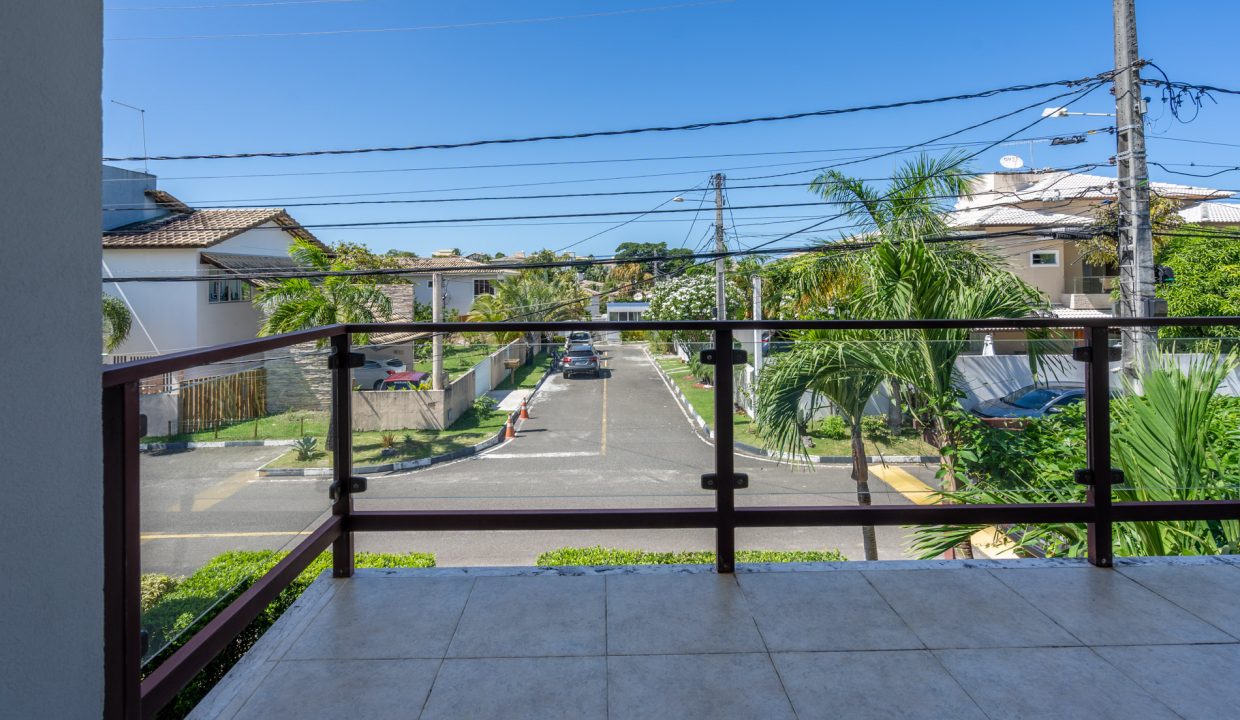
x=200 y=597
x=599 y=555
x=155 y=586
x=484 y=405
x=833 y=427
x=306 y=447
x=875 y=429
x=633 y=336
x=408 y=441
x=387 y=440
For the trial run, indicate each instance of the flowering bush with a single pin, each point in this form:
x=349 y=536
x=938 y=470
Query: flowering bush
x=691 y=298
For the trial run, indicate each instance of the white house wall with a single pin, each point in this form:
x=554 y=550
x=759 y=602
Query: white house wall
x=165 y=313
x=458 y=291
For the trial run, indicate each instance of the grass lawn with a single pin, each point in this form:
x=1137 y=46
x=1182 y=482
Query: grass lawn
x=469 y=429
x=598 y=555
x=528 y=375
x=703 y=401
x=285 y=426
x=458 y=359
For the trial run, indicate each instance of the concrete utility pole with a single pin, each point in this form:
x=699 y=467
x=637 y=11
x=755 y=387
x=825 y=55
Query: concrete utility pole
x=1136 y=240
x=721 y=296
x=437 y=338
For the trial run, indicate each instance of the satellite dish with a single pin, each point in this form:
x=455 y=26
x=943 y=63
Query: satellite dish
x=1011 y=162
x=638 y=296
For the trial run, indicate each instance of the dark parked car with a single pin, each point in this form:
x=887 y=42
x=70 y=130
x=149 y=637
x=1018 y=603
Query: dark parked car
x=580 y=359
x=1033 y=401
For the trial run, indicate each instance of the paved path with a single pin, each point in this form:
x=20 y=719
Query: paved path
x=616 y=441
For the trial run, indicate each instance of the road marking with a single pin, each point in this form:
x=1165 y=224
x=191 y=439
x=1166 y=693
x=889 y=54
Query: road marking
x=518 y=456
x=197 y=536
x=993 y=543
x=602 y=445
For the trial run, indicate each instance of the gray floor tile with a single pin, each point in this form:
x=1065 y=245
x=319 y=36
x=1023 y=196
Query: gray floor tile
x=532 y=616
x=678 y=614
x=909 y=684
x=965 y=609
x=1196 y=681
x=307 y=689
x=519 y=688
x=1208 y=591
x=1050 y=683
x=1102 y=607
x=385 y=618
x=823 y=611
x=686 y=687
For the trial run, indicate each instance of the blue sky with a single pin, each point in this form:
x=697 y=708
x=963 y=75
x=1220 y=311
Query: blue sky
x=695 y=62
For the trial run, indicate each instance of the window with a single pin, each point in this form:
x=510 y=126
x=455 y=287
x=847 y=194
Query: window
x=1044 y=258
x=224 y=290
x=624 y=316
x=483 y=287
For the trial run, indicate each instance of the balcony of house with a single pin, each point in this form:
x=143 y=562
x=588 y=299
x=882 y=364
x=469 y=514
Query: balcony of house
x=1091 y=292
x=631 y=539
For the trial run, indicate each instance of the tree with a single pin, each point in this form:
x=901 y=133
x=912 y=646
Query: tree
x=1102 y=248
x=531 y=296
x=488 y=308
x=1206 y=263
x=691 y=297
x=821 y=367
x=303 y=303
x=357 y=256
x=117 y=321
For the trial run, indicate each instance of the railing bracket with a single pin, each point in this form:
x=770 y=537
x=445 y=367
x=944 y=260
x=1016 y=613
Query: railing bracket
x=1083 y=354
x=356 y=360
x=710 y=481
x=356 y=485
x=707 y=357
x=1085 y=476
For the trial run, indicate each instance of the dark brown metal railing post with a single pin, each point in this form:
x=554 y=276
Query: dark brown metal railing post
x=122 y=606
x=342 y=456
x=1098 y=445
x=725 y=465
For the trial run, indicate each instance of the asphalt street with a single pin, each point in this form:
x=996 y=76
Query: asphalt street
x=617 y=441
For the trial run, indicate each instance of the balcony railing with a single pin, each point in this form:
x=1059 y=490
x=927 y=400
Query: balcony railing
x=129 y=696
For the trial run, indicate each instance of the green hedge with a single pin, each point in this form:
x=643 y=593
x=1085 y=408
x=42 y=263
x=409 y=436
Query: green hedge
x=194 y=601
x=598 y=555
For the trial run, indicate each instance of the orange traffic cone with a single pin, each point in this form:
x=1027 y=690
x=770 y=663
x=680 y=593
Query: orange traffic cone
x=525 y=413
x=509 y=433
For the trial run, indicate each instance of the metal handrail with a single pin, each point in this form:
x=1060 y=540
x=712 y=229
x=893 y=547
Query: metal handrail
x=128 y=697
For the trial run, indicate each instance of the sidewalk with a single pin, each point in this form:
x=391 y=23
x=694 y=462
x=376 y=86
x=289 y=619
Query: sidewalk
x=510 y=400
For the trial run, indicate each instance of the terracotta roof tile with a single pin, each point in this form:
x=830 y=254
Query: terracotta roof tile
x=200 y=228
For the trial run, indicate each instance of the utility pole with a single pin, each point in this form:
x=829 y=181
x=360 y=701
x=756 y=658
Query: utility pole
x=437 y=337
x=721 y=297
x=1134 y=234
x=758 y=354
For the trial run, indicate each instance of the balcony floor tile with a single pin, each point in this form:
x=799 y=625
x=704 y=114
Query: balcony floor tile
x=310 y=689
x=1103 y=607
x=909 y=684
x=1060 y=683
x=823 y=611
x=965 y=609
x=1210 y=592
x=736 y=686
x=506 y=617
x=545 y=688
x=1196 y=681
x=678 y=614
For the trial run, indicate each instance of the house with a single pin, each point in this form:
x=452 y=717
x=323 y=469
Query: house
x=463 y=280
x=1052 y=202
x=149 y=233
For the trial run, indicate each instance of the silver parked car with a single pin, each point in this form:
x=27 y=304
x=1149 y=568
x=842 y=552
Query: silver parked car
x=580 y=359
x=578 y=337
x=1033 y=401
x=375 y=370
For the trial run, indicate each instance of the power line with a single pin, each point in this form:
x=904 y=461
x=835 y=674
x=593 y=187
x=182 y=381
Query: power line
x=229 y=6
x=603 y=161
x=1099 y=78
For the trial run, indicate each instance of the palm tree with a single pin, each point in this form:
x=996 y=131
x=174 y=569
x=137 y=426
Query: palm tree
x=489 y=308
x=116 y=322
x=301 y=303
x=822 y=367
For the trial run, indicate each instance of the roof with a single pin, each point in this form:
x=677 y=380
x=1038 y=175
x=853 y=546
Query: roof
x=1063 y=185
x=447 y=264
x=1063 y=312
x=1212 y=213
x=982 y=216
x=412 y=377
x=186 y=227
x=245 y=264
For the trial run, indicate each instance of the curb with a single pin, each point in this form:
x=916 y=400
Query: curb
x=143 y=447
x=490 y=442
x=703 y=429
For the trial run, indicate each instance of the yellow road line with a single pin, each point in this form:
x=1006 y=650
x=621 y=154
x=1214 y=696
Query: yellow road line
x=988 y=540
x=602 y=448
x=197 y=536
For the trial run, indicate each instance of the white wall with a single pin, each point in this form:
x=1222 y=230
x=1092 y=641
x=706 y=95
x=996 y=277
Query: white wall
x=458 y=289
x=124 y=197
x=165 y=313
x=51 y=595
